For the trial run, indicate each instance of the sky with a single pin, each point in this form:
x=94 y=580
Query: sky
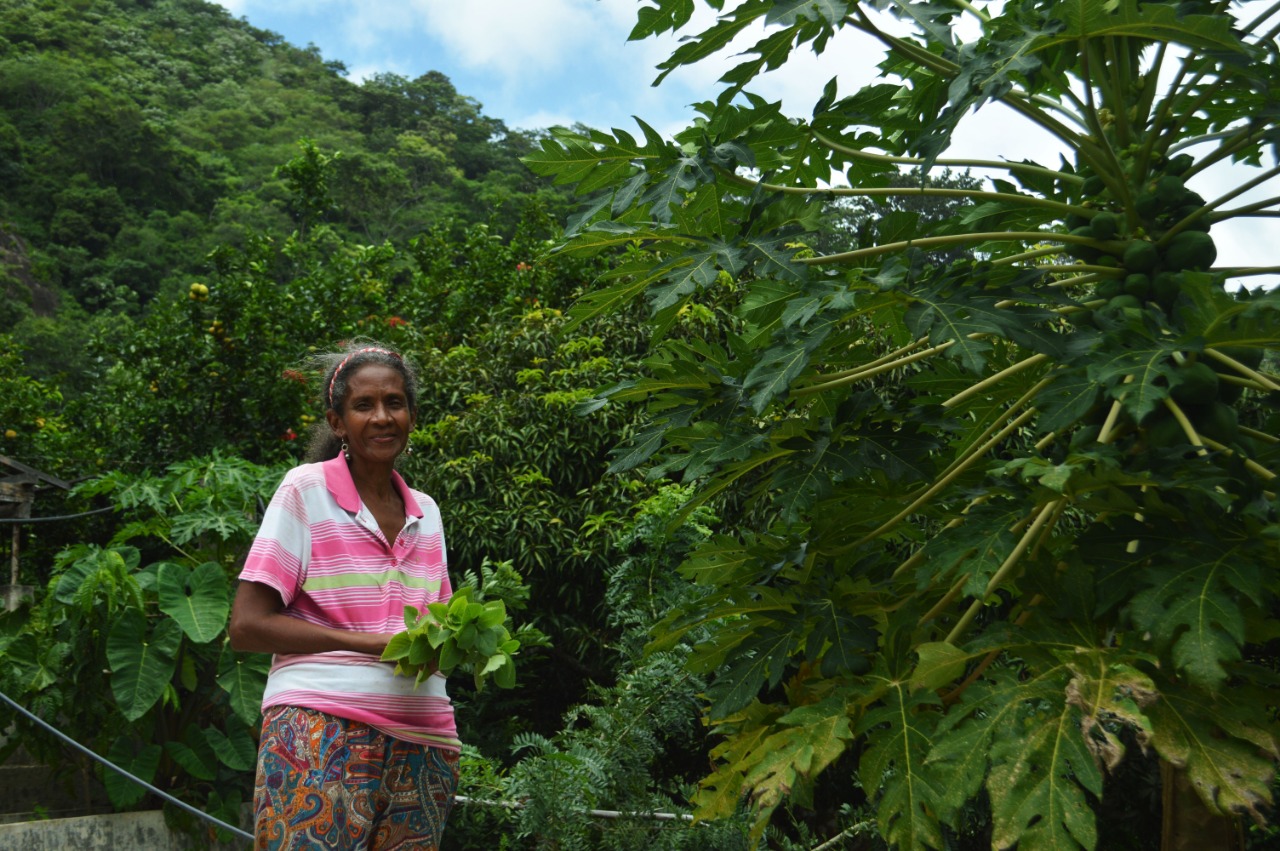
x=539 y=63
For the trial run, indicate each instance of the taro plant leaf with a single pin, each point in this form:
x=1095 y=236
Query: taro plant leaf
x=195 y=597
x=141 y=762
x=197 y=756
x=243 y=677
x=235 y=749
x=142 y=661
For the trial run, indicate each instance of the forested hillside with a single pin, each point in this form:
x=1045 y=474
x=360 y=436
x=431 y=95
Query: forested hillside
x=137 y=136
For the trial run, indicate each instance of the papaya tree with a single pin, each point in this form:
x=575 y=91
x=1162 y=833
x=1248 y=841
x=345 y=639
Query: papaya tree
x=1010 y=520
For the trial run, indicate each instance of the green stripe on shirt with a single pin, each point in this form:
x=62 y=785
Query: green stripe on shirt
x=365 y=580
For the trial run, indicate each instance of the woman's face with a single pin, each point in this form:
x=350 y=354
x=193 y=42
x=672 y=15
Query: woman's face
x=375 y=420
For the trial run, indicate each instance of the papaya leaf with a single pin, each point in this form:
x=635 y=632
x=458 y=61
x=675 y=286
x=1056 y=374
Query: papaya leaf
x=1069 y=397
x=142 y=661
x=772 y=375
x=1109 y=695
x=1149 y=21
x=195 y=598
x=1138 y=376
x=719 y=794
x=806 y=740
x=940 y=663
x=1038 y=765
x=761 y=659
x=899 y=736
x=1231 y=773
x=976 y=547
x=1192 y=606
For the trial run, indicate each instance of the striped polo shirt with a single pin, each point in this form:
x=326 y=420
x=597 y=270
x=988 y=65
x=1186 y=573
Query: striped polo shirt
x=322 y=550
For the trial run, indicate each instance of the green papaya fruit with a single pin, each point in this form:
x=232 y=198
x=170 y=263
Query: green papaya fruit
x=1146 y=205
x=1141 y=256
x=1216 y=420
x=1137 y=284
x=1190 y=249
x=1105 y=225
x=1164 y=431
x=1179 y=164
x=1165 y=287
x=1087 y=253
x=1250 y=357
x=1197 y=384
x=1169 y=190
x=1108 y=289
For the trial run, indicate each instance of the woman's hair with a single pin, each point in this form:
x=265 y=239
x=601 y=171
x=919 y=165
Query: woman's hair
x=337 y=369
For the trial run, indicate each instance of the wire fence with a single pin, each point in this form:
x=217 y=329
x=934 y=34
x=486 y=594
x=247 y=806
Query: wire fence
x=63 y=737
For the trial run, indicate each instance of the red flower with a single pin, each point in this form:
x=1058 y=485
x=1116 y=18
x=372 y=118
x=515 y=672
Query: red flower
x=294 y=375
x=289 y=435
x=395 y=322
x=523 y=267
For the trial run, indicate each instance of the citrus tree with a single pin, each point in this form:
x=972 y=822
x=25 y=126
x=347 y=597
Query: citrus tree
x=1011 y=517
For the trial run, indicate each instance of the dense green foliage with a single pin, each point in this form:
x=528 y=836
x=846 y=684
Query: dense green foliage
x=191 y=208
x=135 y=137
x=933 y=431
x=1017 y=522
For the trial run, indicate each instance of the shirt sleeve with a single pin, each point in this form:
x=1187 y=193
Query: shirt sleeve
x=281 y=551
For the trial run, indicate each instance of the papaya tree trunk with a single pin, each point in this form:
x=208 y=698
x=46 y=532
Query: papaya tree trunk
x=1188 y=825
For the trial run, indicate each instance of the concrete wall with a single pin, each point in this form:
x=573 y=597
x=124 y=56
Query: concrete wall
x=144 y=831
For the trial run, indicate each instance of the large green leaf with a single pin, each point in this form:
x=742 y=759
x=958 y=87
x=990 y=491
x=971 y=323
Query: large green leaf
x=140 y=761
x=195 y=598
x=1230 y=762
x=1193 y=605
x=244 y=678
x=142 y=661
x=235 y=749
x=899 y=735
x=1082 y=19
x=196 y=757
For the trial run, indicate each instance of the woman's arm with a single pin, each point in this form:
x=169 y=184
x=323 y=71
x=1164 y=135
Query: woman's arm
x=258 y=626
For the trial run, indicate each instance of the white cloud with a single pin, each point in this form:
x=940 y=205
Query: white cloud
x=511 y=37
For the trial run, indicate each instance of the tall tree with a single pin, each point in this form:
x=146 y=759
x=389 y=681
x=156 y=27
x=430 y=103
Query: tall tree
x=1017 y=520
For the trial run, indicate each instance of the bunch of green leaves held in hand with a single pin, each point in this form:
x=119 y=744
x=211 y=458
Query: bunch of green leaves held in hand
x=467 y=631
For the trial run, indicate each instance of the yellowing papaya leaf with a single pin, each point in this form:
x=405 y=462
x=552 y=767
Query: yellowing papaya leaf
x=899 y=736
x=1231 y=773
x=1038 y=765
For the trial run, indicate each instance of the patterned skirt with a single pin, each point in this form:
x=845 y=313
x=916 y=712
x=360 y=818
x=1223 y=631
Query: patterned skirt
x=329 y=783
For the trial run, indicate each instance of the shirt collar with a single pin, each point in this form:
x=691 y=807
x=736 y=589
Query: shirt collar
x=337 y=477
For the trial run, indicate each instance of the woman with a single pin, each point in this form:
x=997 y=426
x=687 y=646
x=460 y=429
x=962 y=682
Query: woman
x=351 y=756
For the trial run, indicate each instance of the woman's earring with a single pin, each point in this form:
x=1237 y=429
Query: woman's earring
x=346 y=453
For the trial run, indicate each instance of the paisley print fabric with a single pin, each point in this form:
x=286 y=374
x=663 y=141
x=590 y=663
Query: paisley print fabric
x=328 y=783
